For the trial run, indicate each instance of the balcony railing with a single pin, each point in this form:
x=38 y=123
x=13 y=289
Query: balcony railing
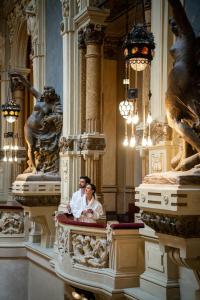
x=86 y=251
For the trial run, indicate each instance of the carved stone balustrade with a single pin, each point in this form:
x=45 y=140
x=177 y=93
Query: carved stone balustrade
x=110 y=256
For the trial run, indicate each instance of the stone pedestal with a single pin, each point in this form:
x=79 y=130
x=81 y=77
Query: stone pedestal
x=40 y=196
x=170 y=206
x=160 y=278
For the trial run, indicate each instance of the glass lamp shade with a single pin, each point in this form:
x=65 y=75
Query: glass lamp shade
x=10 y=110
x=11 y=119
x=138 y=64
x=125 y=108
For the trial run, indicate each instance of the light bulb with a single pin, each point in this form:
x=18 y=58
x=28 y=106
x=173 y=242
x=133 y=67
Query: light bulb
x=132 y=142
x=149 y=118
x=129 y=120
x=149 y=142
x=126 y=81
x=144 y=142
x=10 y=119
x=10 y=159
x=15 y=159
x=135 y=119
x=5 y=158
x=125 y=142
x=15 y=147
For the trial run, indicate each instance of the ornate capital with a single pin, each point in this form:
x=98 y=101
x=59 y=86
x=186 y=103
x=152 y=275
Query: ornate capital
x=94 y=34
x=81 y=39
x=66 y=144
x=16 y=85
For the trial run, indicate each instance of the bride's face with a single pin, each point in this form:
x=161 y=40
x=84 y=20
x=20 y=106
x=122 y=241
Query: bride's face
x=88 y=190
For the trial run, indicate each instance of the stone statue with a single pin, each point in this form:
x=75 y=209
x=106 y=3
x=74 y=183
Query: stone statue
x=183 y=93
x=32 y=28
x=42 y=130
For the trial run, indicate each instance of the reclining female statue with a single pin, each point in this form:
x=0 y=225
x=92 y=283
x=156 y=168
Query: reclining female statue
x=42 y=129
x=183 y=93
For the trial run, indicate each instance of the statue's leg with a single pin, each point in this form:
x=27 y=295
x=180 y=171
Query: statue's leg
x=188 y=134
x=189 y=163
x=29 y=136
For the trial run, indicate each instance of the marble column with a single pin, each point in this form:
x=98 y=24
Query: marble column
x=82 y=92
x=94 y=141
x=70 y=165
x=93 y=40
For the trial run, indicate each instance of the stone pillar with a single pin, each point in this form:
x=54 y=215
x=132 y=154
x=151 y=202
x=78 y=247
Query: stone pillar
x=160 y=63
x=18 y=95
x=82 y=92
x=18 y=128
x=82 y=79
x=69 y=159
x=93 y=40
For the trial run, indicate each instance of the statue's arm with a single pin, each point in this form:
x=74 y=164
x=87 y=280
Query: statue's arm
x=181 y=17
x=26 y=83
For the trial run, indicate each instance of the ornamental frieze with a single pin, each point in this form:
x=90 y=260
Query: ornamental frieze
x=185 y=226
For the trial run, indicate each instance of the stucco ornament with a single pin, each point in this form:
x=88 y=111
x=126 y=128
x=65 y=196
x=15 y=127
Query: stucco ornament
x=11 y=223
x=90 y=251
x=65 y=8
x=62 y=240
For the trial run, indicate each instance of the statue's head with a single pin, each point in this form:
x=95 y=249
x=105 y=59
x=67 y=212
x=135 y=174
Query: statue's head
x=49 y=94
x=174 y=26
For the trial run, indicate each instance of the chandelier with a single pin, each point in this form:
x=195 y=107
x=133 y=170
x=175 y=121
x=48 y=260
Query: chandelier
x=138 y=48
x=10 y=111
